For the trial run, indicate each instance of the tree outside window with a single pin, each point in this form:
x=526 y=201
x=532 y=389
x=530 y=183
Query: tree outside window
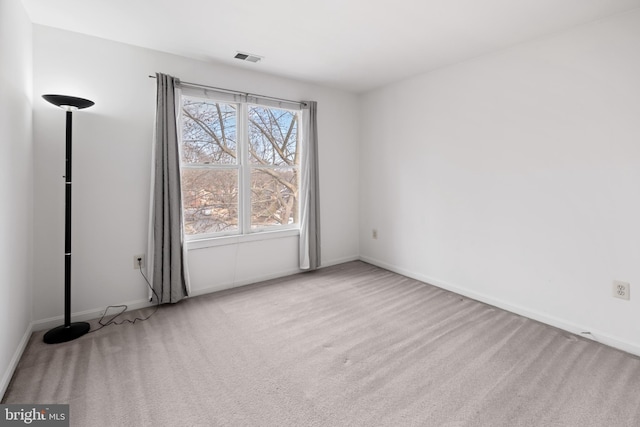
x=240 y=167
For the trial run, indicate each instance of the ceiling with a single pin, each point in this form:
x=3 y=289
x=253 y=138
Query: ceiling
x=354 y=45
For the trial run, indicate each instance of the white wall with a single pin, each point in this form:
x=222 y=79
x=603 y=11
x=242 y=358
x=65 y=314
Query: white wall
x=112 y=149
x=16 y=187
x=514 y=178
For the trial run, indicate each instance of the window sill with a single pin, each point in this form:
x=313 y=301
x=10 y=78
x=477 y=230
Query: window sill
x=234 y=240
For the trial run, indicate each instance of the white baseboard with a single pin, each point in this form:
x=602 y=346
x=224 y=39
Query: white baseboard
x=13 y=364
x=566 y=325
x=95 y=313
x=262 y=278
x=238 y=283
x=337 y=261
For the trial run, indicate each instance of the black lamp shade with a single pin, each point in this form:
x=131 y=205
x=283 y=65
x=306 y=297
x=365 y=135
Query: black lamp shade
x=68 y=101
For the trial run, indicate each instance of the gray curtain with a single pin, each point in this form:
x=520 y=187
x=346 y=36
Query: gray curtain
x=309 y=192
x=166 y=256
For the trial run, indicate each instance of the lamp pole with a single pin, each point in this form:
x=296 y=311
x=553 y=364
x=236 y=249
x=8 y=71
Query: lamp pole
x=69 y=331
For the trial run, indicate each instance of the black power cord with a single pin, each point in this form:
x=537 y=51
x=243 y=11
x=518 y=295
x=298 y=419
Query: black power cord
x=112 y=320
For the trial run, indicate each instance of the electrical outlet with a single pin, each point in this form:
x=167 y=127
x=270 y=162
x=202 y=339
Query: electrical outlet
x=374 y=234
x=138 y=261
x=621 y=290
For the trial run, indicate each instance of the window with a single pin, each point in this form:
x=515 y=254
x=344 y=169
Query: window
x=240 y=165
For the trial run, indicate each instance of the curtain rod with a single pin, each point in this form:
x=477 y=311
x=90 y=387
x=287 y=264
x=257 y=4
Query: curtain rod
x=237 y=92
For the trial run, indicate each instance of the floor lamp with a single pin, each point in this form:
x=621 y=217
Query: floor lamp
x=69 y=331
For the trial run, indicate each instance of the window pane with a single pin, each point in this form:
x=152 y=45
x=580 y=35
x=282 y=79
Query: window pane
x=273 y=136
x=274 y=197
x=210 y=199
x=208 y=132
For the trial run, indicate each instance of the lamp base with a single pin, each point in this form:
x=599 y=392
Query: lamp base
x=66 y=333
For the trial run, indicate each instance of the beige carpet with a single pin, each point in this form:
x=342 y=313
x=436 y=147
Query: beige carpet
x=350 y=345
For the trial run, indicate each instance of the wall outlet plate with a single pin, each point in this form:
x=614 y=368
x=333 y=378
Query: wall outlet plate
x=621 y=290
x=136 y=265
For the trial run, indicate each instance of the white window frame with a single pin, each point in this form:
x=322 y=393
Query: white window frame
x=244 y=232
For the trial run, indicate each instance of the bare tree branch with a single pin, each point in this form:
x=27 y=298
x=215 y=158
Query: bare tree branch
x=211 y=133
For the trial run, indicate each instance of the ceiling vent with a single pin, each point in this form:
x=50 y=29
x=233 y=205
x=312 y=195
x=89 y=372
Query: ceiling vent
x=248 y=57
